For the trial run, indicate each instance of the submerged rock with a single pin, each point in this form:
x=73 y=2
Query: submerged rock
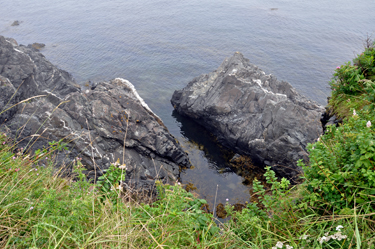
x=38 y=46
x=96 y=123
x=15 y=23
x=253 y=114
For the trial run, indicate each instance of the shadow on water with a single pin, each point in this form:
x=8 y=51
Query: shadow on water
x=217 y=156
x=216 y=170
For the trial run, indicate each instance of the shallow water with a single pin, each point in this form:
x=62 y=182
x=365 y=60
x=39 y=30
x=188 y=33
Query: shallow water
x=160 y=45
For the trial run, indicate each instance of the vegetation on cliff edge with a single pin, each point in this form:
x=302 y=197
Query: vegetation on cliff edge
x=334 y=207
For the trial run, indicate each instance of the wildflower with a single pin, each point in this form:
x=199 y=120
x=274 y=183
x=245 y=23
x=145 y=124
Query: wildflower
x=338 y=236
x=337 y=67
x=46 y=157
x=37 y=174
x=14 y=157
x=368 y=124
x=324 y=239
x=31 y=208
x=122 y=166
x=279 y=244
x=17 y=170
x=3 y=142
x=304 y=236
x=354 y=113
x=179 y=183
x=288 y=247
x=339 y=227
x=227 y=199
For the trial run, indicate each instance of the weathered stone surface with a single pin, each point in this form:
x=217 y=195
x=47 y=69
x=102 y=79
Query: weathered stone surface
x=253 y=113
x=93 y=122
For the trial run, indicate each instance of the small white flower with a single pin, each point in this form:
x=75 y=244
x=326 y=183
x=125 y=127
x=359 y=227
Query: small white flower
x=339 y=227
x=354 y=113
x=304 y=236
x=122 y=166
x=368 y=124
x=324 y=239
x=289 y=247
x=279 y=244
x=339 y=236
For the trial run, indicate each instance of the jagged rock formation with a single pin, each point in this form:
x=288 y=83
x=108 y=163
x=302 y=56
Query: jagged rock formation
x=93 y=122
x=253 y=113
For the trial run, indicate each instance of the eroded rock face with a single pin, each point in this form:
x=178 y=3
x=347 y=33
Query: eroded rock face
x=253 y=113
x=93 y=122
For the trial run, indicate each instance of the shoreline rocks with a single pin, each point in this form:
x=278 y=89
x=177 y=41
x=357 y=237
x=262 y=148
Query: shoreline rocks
x=253 y=114
x=93 y=122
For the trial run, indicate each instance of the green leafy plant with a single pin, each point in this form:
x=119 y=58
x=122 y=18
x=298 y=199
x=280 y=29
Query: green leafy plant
x=109 y=184
x=341 y=170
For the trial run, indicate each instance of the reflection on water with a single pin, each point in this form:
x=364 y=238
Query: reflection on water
x=212 y=166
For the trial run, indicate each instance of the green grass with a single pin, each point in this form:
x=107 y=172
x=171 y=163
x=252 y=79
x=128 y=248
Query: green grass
x=38 y=209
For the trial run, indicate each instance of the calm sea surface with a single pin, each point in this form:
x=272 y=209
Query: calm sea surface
x=160 y=45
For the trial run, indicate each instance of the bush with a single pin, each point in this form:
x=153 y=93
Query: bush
x=341 y=170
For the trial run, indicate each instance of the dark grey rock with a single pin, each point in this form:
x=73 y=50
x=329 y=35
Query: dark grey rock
x=15 y=23
x=92 y=122
x=253 y=113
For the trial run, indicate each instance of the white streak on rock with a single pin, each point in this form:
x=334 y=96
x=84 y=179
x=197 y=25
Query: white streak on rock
x=19 y=51
x=134 y=91
x=259 y=82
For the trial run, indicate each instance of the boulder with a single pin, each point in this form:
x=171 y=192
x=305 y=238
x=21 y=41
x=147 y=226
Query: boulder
x=253 y=114
x=102 y=124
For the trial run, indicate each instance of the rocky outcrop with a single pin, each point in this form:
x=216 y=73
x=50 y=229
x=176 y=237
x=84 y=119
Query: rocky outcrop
x=253 y=113
x=95 y=123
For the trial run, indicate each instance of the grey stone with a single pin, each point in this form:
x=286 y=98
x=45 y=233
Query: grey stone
x=253 y=114
x=92 y=122
x=15 y=23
